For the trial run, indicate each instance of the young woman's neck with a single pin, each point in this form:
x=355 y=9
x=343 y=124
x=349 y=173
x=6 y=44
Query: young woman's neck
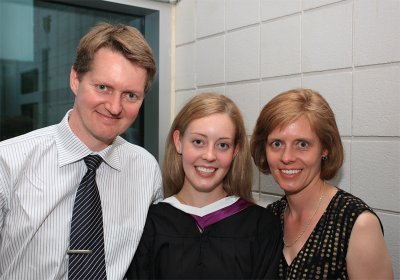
x=200 y=199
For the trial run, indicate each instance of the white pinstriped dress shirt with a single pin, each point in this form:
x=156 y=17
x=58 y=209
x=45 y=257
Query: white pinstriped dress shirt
x=39 y=176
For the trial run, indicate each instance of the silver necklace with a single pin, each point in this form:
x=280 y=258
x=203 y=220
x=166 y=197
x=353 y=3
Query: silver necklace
x=308 y=221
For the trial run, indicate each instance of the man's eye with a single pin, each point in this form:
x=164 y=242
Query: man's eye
x=102 y=87
x=132 y=97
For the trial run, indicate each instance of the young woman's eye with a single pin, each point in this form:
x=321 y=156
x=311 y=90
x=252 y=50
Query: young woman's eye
x=197 y=142
x=224 y=146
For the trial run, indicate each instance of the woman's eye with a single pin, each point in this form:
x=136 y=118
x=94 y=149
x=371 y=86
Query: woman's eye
x=276 y=144
x=303 y=144
x=197 y=142
x=224 y=146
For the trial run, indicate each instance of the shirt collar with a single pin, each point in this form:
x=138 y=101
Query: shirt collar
x=71 y=149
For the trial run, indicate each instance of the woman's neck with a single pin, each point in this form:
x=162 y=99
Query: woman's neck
x=199 y=199
x=303 y=202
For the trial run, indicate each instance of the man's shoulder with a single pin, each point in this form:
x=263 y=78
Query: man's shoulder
x=36 y=136
x=133 y=151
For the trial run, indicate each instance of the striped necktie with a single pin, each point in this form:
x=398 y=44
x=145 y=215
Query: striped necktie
x=86 y=251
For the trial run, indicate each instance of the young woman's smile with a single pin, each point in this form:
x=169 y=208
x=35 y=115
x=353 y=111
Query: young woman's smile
x=207 y=148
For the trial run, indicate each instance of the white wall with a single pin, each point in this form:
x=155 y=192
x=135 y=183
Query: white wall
x=349 y=51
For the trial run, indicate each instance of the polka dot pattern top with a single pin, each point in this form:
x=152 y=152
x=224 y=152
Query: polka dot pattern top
x=323 y=256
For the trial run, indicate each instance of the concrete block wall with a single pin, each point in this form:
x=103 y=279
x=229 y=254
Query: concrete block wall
x=348 y=50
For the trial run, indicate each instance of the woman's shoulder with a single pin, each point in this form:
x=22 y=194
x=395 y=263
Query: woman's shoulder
x=278 y=206
x=262 y=216
x=348 y=201
x=162 y=212
x=262 y=212
x=262 y=222
x=346 y=206
x=163 y=218
x=161 y=208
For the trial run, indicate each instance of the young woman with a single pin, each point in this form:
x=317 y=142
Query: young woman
x=327 y=232
x=208 y=227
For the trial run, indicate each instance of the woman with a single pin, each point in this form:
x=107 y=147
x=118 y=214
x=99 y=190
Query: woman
x=327 y=232
x=208 y=226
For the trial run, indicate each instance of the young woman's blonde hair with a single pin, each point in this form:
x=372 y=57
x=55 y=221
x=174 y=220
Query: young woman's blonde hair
x=288 y=107
x=238 y=180
x=123 y=39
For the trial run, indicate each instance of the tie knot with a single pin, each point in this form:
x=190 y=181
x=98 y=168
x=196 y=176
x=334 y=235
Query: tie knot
x=93 y=161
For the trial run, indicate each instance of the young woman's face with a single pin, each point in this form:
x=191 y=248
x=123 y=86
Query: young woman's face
x=294 y=155
x=207 y=148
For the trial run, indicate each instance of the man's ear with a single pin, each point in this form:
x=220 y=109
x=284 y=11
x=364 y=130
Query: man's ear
x=74 y=81
x=177 y=141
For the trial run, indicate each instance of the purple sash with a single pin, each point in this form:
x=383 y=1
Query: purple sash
x=221 y=214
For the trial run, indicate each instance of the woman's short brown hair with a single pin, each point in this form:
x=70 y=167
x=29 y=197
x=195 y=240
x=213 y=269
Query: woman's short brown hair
x=288 y=107
x=124 y=39
x=238 y=180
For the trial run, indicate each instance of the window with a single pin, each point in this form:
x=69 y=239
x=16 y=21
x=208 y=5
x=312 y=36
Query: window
x=37 y=48
x=29 y=81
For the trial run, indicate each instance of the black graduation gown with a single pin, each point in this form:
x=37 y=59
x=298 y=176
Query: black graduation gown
x=245 y=245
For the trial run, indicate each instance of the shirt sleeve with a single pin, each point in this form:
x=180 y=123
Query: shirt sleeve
x=4 y=192
x=158 y=193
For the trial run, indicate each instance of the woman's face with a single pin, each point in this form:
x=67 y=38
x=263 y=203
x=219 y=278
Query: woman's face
x=294 y=155
x=207 y=148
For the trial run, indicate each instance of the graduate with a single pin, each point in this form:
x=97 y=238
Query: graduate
x=208 y=227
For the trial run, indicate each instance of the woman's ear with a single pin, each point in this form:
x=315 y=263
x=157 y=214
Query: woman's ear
x=177 y=141
x=236 y=151
x=324 y=155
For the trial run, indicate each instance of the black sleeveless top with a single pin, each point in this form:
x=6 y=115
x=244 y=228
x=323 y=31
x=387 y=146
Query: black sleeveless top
x=323 y=256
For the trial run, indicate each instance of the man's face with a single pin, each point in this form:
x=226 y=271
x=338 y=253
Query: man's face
x=107 y=98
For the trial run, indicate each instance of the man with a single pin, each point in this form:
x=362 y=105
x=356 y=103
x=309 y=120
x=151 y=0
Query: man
x=40 y=172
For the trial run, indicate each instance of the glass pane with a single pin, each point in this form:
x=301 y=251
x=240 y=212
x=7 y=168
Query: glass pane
x=37 y=48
